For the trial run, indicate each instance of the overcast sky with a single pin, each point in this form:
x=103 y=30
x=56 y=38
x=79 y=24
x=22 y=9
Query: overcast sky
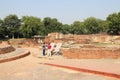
x=66 y=11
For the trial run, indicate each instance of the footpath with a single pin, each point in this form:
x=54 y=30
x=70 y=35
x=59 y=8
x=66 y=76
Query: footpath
x=37 y=67
x=105 y=67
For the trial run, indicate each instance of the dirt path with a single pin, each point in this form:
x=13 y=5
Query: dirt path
x=31 y=68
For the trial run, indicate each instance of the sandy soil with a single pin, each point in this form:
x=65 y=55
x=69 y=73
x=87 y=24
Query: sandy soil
x=32 y=68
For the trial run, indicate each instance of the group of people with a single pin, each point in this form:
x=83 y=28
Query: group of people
x=47 y=49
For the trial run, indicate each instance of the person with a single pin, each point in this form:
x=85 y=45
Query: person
x=44 y=48
x=49 y=49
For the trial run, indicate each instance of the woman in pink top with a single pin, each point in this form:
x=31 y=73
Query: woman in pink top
x=49 y=49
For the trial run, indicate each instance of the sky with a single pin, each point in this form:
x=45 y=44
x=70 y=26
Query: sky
x=66 y=11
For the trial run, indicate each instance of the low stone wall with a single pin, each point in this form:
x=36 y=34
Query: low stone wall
x=6 y=48
x=91 y=53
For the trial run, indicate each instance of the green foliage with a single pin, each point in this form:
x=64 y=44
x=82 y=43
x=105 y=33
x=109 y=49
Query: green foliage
x=114 y=23
x=12 y=23
x=104 y=26
x=77 y=28
x=91 y=25
x=31 y=26
x=2 y=30
x=51 y=25
x=66 y=29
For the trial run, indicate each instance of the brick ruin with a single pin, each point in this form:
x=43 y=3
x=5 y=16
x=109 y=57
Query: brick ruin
x=89 y=51
x=86 y=39
x=24 y=43
x=5 y=47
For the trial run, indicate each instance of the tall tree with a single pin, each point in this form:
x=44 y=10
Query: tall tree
x=51 y=25
x=2 y=30
x=47 y=25
x=66 y=29
x=91 y=25
x=55 y=25
x=77 y=28
x=104 y=26
x=114 y=23
x=12 y=23
x=31 y=26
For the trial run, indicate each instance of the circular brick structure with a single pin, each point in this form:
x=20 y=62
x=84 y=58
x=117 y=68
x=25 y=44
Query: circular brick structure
x=9 y=53
x=6 y=49
x=26 y=53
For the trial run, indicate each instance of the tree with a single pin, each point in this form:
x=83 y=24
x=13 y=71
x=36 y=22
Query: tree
x=47 y=22
x=104 y=26
x=66 y=29
x=51 y=25
x=12 y=23
x=91 y=25
x=55 y=25
x=114 y=23
x=77 y=28
x=1 y=22
x=2 y=30
x=31 y=26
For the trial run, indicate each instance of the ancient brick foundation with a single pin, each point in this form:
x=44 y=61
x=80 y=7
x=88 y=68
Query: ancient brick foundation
x=6 y=48
x=91 y=53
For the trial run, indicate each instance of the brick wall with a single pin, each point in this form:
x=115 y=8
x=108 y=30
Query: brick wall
x=82 y=38
x=91 y=53
x=6 y=48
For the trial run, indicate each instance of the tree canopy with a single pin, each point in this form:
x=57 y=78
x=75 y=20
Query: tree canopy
x=29 y=26
x=12 y=24
x=114 y=23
